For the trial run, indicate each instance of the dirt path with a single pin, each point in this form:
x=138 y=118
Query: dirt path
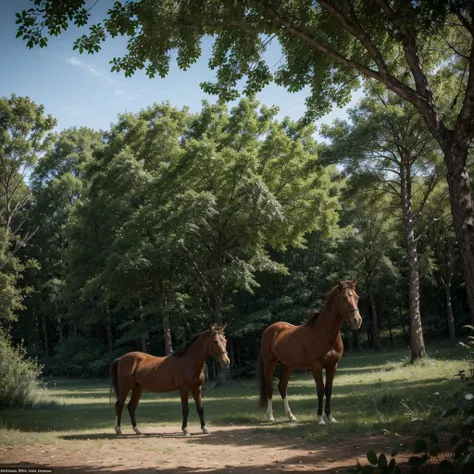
x=236 y=449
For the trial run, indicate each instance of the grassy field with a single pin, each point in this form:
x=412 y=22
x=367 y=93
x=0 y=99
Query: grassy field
x=372 y=392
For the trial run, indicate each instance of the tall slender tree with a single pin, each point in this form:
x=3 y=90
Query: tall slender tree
x=388 y=140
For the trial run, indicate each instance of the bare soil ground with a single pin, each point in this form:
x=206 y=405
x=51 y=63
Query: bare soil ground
x=235 y=449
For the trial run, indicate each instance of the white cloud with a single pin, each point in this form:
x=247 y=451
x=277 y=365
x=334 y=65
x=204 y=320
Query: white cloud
x=92 y=70
x=73 y=111
x=127 y=99
x=75 y=62
x=118 y=92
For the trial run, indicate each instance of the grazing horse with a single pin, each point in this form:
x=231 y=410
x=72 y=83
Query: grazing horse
x=183 y=370
x=315 y=345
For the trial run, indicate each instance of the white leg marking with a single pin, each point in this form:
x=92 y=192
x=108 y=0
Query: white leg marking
x=270 y=411
x=287 y=409
x=137 y=431
x=186 y=432
x=321 y=420
x=117 y=427
x=332 y=419
x=205 y=430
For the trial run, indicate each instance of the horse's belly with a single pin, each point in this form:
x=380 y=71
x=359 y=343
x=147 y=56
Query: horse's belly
x=295 y=358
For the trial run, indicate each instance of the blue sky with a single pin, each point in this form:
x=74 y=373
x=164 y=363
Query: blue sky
x=80 y=90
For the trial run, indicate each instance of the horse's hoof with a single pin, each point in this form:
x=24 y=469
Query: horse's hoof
x=332 y=419
x=271 y=419
x=137 y=431
x=205 y=430
x=321 y=420
x=186 y=432
x=118 y=430
x=292 y=417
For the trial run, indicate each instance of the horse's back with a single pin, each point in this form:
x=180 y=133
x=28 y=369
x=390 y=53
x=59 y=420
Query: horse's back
x=131 y=362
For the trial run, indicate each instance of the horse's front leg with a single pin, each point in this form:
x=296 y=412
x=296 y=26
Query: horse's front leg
x=184 y=392
x=199 y=408
x=330 y=373
x=318 y=378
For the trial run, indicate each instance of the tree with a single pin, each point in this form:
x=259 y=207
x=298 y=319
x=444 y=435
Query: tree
x=56 y=184
x=366 y=247
x=443 y=242
x=417 y=49
x=388 y=141
x=24 y=137
x=258 y=184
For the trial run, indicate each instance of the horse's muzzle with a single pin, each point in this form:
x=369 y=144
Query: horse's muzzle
x=223 y=360
x=356 y=320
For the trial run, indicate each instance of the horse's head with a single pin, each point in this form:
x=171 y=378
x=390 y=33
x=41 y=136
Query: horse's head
x=347 y=300
x=217 y=345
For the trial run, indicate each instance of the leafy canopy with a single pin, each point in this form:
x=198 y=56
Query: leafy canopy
x=326 y=45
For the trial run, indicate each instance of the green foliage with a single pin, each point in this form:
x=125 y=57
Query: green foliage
x=369 y=40
x=79 y=356
x=24 y=136
x=18 y=374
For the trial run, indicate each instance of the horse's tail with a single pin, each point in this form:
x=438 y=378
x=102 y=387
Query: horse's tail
x=262 y=383
x=114 y=380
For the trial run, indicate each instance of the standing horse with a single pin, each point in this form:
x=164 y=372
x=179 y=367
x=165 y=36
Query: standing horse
x=316 y=345
x=183 y=370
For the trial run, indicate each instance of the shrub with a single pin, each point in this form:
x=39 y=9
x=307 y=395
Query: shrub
x=18 y=375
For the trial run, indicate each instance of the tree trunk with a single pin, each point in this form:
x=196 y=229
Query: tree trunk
x=144 y=344
x=417 y=343
x=357 y=340
x=167 y=335
x=60 y=329
x=108 y=333
x=389 y=324
x=108 y=330
x=375 y=330
x=219 y=296
x=449 y=313
x=44 y=324
x=463 y=213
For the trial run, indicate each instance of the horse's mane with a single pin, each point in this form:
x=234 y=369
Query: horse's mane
x=314 y=313
x=181 y=350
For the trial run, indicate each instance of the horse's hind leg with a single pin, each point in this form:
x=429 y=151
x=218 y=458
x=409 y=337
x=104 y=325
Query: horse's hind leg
x=120 y=402
x=199 y=408
x=282 y=385
x=137 y=391
x=318 y=378
x=269 y=369
x=185 y=410
x=330 y=373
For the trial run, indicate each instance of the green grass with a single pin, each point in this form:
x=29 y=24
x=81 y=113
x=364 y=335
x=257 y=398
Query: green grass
x=372 y=393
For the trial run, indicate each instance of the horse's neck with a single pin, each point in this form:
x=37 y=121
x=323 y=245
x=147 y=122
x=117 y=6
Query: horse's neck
x=329 y=322
x=199 y=351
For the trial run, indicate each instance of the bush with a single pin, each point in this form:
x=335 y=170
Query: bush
x=18 y=375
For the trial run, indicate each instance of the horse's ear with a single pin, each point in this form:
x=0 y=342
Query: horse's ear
x=354 y=283
x=211 y=327
x=340 y=285
x=223 y=327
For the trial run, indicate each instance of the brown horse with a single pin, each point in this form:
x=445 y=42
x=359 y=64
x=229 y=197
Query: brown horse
x=183 y=370
x=316 y=345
